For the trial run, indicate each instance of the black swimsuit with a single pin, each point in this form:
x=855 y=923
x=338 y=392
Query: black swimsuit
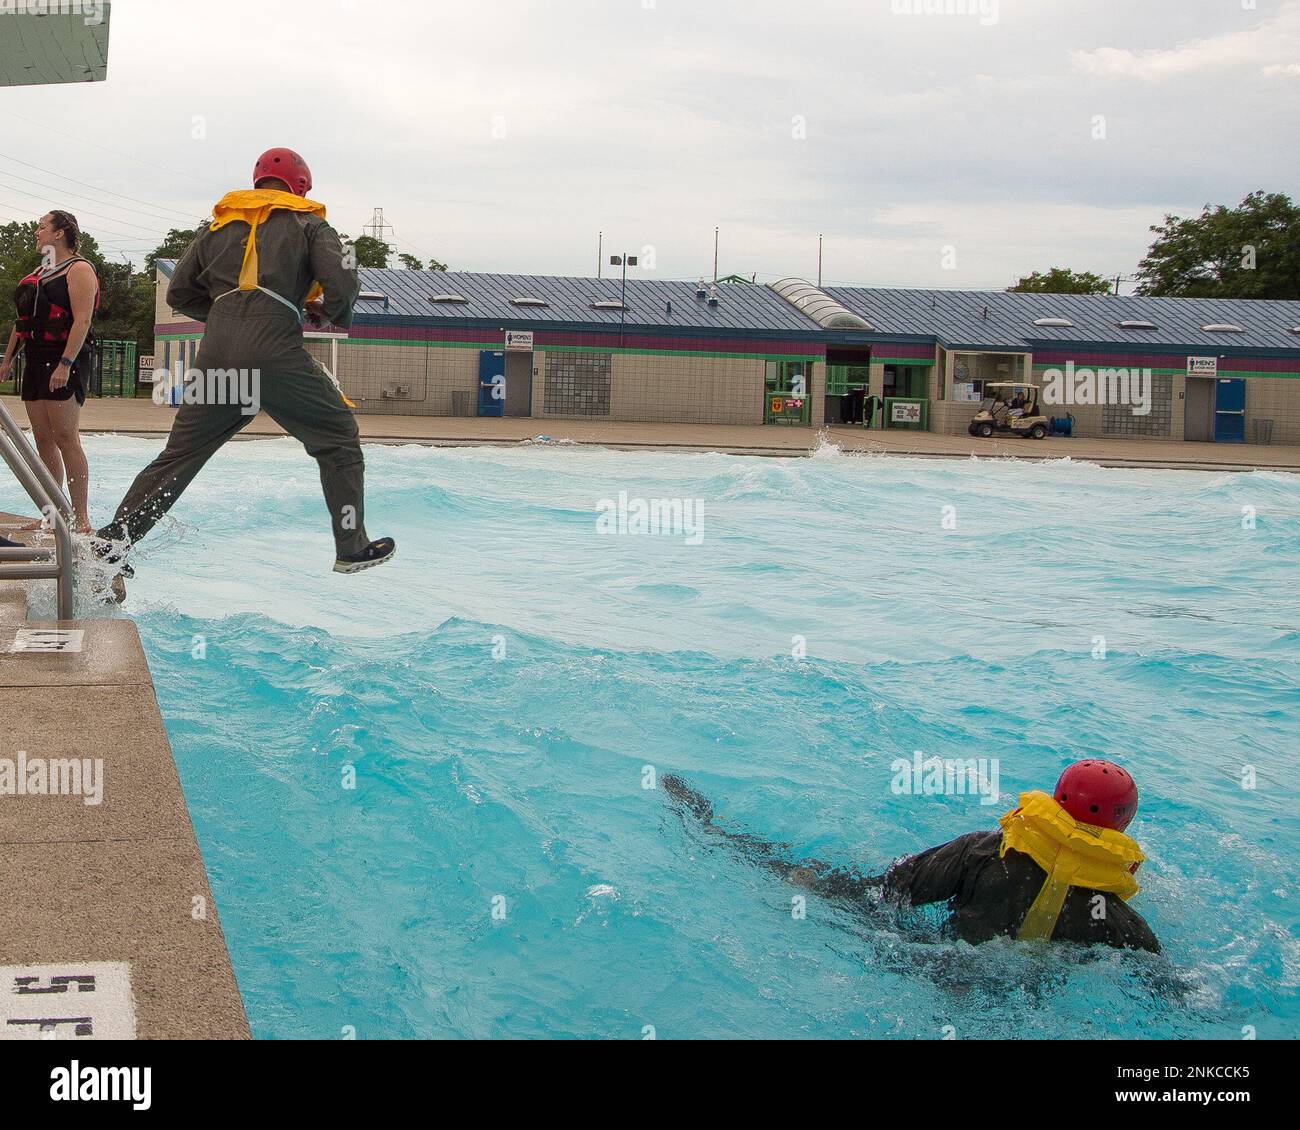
x=44 y=323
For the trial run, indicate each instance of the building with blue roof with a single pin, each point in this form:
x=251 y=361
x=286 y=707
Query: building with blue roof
x=793 y=353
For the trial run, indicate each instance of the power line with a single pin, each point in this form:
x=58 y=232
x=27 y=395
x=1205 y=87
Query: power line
x=45 y=127
x=82 y=196
x=19 y=211
x=84 y=211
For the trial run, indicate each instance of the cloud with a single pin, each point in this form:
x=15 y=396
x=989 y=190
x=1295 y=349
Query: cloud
x=1263 y=46
x=502 y=135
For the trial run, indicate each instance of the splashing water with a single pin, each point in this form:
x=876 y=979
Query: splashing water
x=506 y=689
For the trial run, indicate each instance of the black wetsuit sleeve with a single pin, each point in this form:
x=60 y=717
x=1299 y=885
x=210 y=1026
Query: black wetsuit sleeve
x=1133 y=933
x=341 y=284
x=187 y=294
x=935 y=875
x=1120 y=925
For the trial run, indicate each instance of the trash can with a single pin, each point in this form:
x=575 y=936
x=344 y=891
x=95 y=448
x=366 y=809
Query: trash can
x=460 y=403
x=1263 y=431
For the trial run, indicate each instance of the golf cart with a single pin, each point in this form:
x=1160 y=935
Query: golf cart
x=1010 y=407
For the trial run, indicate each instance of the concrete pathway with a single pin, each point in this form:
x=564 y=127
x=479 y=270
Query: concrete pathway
x=108 y=927
x=143 y=417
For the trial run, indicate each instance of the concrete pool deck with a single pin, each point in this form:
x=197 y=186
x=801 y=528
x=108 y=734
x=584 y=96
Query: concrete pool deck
x=108 y=926
x=143 y=417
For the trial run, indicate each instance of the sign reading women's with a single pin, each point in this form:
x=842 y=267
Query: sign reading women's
x=44 y=42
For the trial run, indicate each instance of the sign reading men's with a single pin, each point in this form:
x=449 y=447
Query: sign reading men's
x=1202 y=366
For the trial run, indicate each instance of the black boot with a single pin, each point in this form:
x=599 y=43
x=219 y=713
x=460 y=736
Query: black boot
x=376 y=553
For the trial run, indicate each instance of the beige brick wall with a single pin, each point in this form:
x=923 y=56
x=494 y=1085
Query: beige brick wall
x=162 y=313
x=429 y=375
x=677 y=389
x=1180 y=402
x=1276 y=399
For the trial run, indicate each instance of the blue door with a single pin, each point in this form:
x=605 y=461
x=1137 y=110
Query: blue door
x=1230 y=411
x=491 y=382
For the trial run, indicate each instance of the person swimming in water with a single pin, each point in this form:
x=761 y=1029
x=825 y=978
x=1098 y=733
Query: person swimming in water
x=1058 y=868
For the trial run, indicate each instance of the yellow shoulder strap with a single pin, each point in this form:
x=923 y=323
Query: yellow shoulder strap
x=1072 y=854
x=253 y=206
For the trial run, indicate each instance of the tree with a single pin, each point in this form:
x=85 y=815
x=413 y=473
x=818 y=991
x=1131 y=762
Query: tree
x=410 y=262
x=1062 y=280
x=434 y=265
x=1252 y=251
x=370 y=252
x=126 y=297
x=173 y=247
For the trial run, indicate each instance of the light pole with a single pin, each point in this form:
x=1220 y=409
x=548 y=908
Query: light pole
x=625 y=261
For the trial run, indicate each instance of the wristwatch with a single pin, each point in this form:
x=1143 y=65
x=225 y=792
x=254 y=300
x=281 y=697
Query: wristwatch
x=66 y=362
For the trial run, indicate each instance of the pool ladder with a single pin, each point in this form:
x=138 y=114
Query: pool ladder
x=23 y=564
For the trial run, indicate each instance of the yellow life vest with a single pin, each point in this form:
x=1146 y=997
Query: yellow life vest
x=1072 y=853
x=253 y=205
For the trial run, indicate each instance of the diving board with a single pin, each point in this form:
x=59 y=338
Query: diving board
x=47 y=42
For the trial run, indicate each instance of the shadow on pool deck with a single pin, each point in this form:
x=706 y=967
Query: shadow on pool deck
x=88 y=889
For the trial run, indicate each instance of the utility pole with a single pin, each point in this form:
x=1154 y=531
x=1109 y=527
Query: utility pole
x=600 y=253
x=625 y=261
x=819 y=260
x=377 y=226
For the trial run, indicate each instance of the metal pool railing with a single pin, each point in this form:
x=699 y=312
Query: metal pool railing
x=38 y=564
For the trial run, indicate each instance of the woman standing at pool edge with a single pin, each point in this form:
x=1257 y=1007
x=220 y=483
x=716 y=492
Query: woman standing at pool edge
x=56 y=304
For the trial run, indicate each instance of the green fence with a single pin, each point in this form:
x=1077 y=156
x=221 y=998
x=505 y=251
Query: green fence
x=114 y=372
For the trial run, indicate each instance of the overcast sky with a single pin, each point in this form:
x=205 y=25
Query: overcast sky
x=501 y=135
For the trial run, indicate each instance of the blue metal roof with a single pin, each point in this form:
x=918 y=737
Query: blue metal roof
x=752 y=308
x=964 y=319
x=995 y=319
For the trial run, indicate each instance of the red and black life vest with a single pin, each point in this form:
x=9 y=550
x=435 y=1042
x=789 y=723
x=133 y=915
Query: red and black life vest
x=44 y=306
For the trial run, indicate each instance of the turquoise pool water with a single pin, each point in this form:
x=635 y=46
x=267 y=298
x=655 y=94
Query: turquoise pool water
x=501 y=688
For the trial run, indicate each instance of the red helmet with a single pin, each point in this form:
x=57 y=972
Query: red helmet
x=1098 y=793
x=285 y=165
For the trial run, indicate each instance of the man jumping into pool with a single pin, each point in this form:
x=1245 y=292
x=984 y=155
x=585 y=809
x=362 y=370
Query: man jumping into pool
x=248 y=274
x=1060 y=868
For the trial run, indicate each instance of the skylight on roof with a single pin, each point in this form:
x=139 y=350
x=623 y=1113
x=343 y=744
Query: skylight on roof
x=1054 y=323
x=529 y=302
x=1223 y=328
x=371 y=296
x=1137 y=324
x=448 y=299
x=607 y=304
